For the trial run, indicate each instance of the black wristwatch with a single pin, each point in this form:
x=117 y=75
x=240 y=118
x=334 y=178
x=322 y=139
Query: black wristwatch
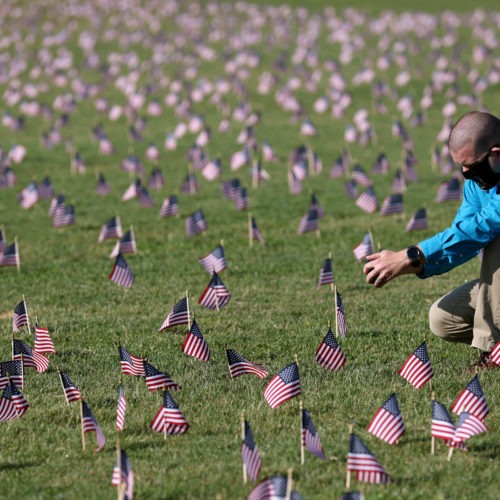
x=414 y=255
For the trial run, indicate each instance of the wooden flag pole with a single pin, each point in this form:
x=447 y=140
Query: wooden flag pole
x=187 y=306
x=250 y=235
x=132 y=234
x=289 y=484
x=216 y=296
x=302 y=457
x=119 y=467
x=81 y=421
x=164 y=415
x=242 y=418
x=348 y=475
x=335 y=308
x=433 y=439
x=255 y=173
x=18 y=257
x=27 y=315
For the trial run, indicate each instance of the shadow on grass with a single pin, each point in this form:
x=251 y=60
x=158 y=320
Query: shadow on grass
x=23 y=465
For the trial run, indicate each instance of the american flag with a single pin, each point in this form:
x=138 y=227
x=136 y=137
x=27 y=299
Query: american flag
x=8 y=409
x=28 y=196
x=471 y=399
x=89 y=424
x=212 y=169
x=316 y=205
x=352 y=495
x=111 y=229
x=214 y=261
x=449 y=190
x=240 y=199
x=156 y=179
x=495 y=354
x=387 y=423
x=310 y=222
x=64 y=216
x=310 y=438
x=250 y=453
x=10 y=256
x=22 y=351
x=21 y=317
x=169 y=419
x=381 y=164
x=145 y=198
x=18 y=399
x=418 y=222
x=71 y=392
x=170 y=206
x=367 y=200
x=326 y=273
x=57 y=202
x=102 y=186
x=216 y=295
x=468 y=425
x=121 y=273
x=294 y=183
x=238 y=365
x=123 y=475
x=131 y=365
x=283 y=386
x=337 y=169
x=393 y=204
x=12 y=370
x=195 y=223
x=2 y=239
x=132 y=191
x=360 y=176
x=239 y=159
x=341 y=325
x=121 y=409
x=364 y=248
x=307 y=128
x=442 y=426
x=43 y=342
x=230 y=187
x=274 y=488
x=398 y=182
x=179 y=315
x=190 y=184
x=361 y=461
x=194 y=343
x=417 y=369
x=45 y=189
x=255 y=233
x=329 y=355
x=155 y=379
x=126 y=245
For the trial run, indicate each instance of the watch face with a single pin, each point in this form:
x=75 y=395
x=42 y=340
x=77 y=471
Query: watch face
x=413 y=253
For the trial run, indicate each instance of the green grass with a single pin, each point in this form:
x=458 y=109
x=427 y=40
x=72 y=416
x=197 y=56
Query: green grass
x=275 y=312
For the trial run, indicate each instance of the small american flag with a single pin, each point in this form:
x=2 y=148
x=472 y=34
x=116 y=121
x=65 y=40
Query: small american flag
x=195 y=345
x=132 y=191
x=45 y=189
x=214 y=261
x=145 y=199
x=364 y=248
x=240 y=199
x=329 y=355
x=294 y=183
x=121 y=409
x=155 y=379
x=121 y=273
x=360 y=176
x=361 y=461
x=10 y=256
x=367 y=200
x=156 y=179
x=2 y=239
x=111 y=229
x=212 y=169
x=449 y=191
x=18 y=399
x=471 y=399
x=169 y=419
x=57 y=202
x=126 y=245
x=351 y=188
x=64 y=216
x=250 y=453
x=215 y=295
x=341 y=325
x=495 y=354
x=238 y=365
x=123 y=475
x=179 y=315
x=418 y=222
x=71 y=392
x=387 y=423
x=12 y=370
x=309 y=223
x=21 y=317
x=417 y=369
x=190 y=184
x=230 y=187
x=170 y=206
x=274 y=488
x=43 y=342
x=28 y=196
x=195 y=223
x=89 y=424
x=8 y=410
x=310 y=438
x=393 y=204
x=326 y=273
x=283 y=386
x=442 y=426
x=398 y=182
x=102 y=186
x=131 y=365
x=468 y=425
x=30 y=358
x=255 y=233
x=317 y=206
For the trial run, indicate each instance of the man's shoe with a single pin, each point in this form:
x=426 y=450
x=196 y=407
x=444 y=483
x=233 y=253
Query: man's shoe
x=483 y=363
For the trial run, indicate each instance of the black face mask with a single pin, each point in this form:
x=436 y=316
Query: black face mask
x=483 y=173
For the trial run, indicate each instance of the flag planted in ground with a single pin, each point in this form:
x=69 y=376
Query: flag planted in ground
x=89 y=424
x=179 y=315
x=417 y=369
x=387 y=423
x=283 y=386
x=215 y=295
x=361 y=461
x=250 y=453
x=238 y=365
x=195 y=345
x=214 y=261
x=21 y=317
x=329 y=354
x=121 y=274
x=310 y=437
x=169 y=419
x=155 y=379
x=30 y=358
x=326 y=273
x=471 y=399
x=43 y=342
x=111 y=229
x=71 y=392
x=131 y=365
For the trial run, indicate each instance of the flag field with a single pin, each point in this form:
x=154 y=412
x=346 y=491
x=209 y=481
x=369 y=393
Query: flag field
x=278 y=314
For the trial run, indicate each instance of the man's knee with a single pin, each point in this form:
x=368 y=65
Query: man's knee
x=448 y=326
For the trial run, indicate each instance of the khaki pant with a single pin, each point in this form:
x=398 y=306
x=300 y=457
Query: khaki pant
x=471 y=313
